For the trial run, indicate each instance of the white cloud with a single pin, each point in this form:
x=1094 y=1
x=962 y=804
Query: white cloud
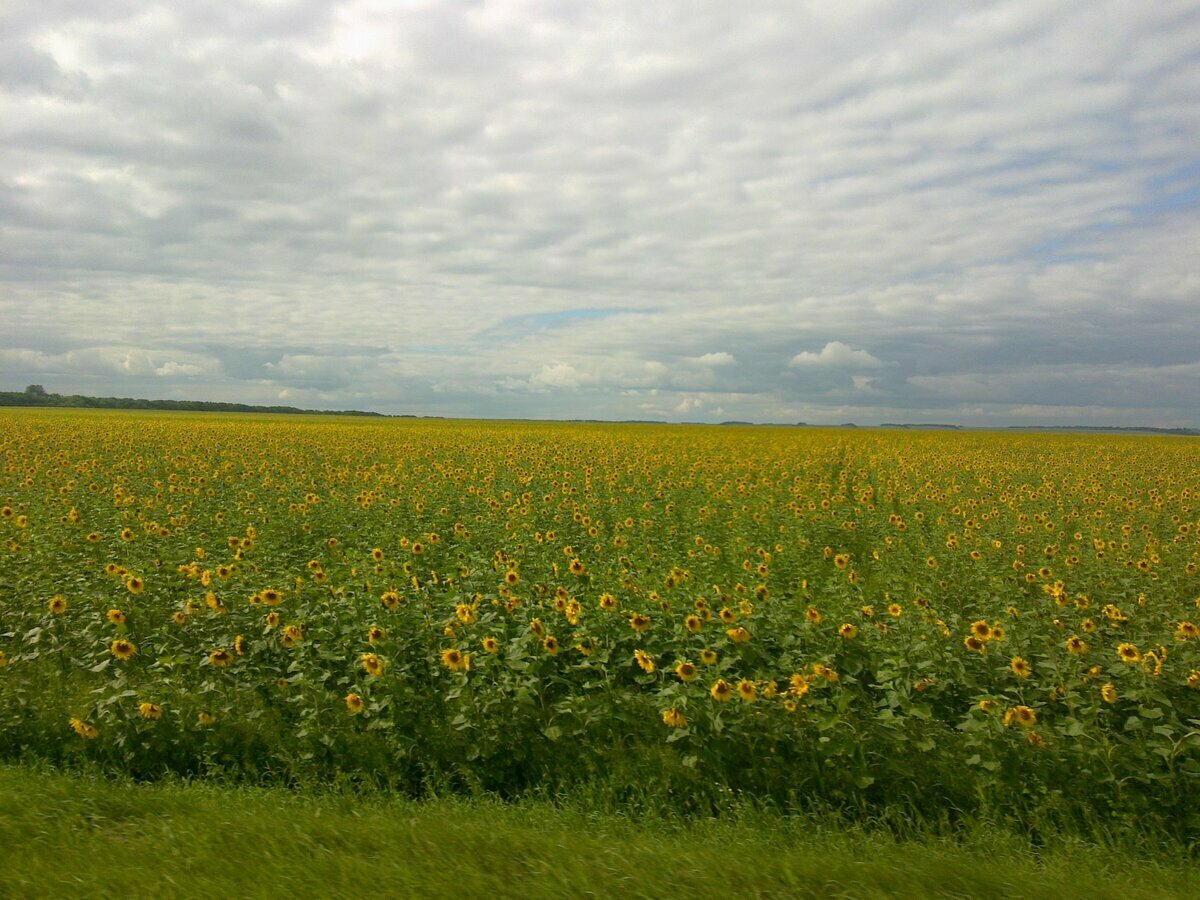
x=175 y=369
x=716 y=359
x=558 y=375
x=836 y=355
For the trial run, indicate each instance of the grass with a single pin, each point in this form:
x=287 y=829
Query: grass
x=86 y=835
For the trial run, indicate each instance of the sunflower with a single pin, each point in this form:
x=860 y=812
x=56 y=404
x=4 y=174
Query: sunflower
x=205 y=718
x=974 y=644
x=150 y=711
x=57 y=605
x=1022 y=715
x=273 y=619
x=3 y=659
x=981 y=630
x=123 y=649
x=722 y=691
x=848 y=631
x=220 y=658
x=1077 y=645
x=747 y=691
x=354 y=703
x=550 y=643
x=375 y=634
x=1129 y=654
x=708 y=657
x=1020 y=667
x=673 y=718
x=491 y=645
x=738 y=635
x=693 y=624
x=84 y=729
x=115 y=616
x=895 y=610
x=798 y=685
x=686 y=670
x=639 y=622
x=372 y=665
x=270 y=597
x=293 y=634
x=1186 y=631
x=511 y=578
x=1193 y=679
x=390 y=600
x=608 y=602
x=377 y=554
x=1108 y=693
x=134 y=585
x=576 y=567
x=813 y=615
x=728 y=616
x=644 y=659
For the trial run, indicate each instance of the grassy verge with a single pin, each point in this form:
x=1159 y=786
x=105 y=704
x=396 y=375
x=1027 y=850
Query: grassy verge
x=87 y=836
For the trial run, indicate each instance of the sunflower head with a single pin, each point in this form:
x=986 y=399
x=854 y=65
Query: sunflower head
x=673 y=718
x=150 y=710
x=721 y=690
x=685 y=670
x=639 y=622
x=220 y=658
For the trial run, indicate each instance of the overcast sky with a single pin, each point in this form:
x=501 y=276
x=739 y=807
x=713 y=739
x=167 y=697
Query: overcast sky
x=976 y=213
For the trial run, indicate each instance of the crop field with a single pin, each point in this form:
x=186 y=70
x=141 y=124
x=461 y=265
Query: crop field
x=862 y=619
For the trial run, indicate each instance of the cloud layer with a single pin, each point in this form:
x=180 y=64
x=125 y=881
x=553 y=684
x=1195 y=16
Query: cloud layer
x=865 y=211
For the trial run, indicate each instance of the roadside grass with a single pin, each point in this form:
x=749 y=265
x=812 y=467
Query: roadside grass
x=86 y=835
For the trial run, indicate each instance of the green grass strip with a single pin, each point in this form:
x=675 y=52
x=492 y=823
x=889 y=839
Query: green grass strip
x=87 y=836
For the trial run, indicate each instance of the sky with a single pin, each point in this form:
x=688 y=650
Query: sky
x=973 y=213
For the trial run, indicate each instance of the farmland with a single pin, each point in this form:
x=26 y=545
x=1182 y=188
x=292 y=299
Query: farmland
x=878 y=623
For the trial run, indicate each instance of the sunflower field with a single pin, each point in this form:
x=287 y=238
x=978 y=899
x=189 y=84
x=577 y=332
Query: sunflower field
x=933 y=620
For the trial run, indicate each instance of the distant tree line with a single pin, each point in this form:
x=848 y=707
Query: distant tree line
x=36 y=395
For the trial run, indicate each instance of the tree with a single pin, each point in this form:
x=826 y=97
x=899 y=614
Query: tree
x=35 y=390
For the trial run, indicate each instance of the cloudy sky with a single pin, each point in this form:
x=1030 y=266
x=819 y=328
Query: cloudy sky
x=977 y=213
